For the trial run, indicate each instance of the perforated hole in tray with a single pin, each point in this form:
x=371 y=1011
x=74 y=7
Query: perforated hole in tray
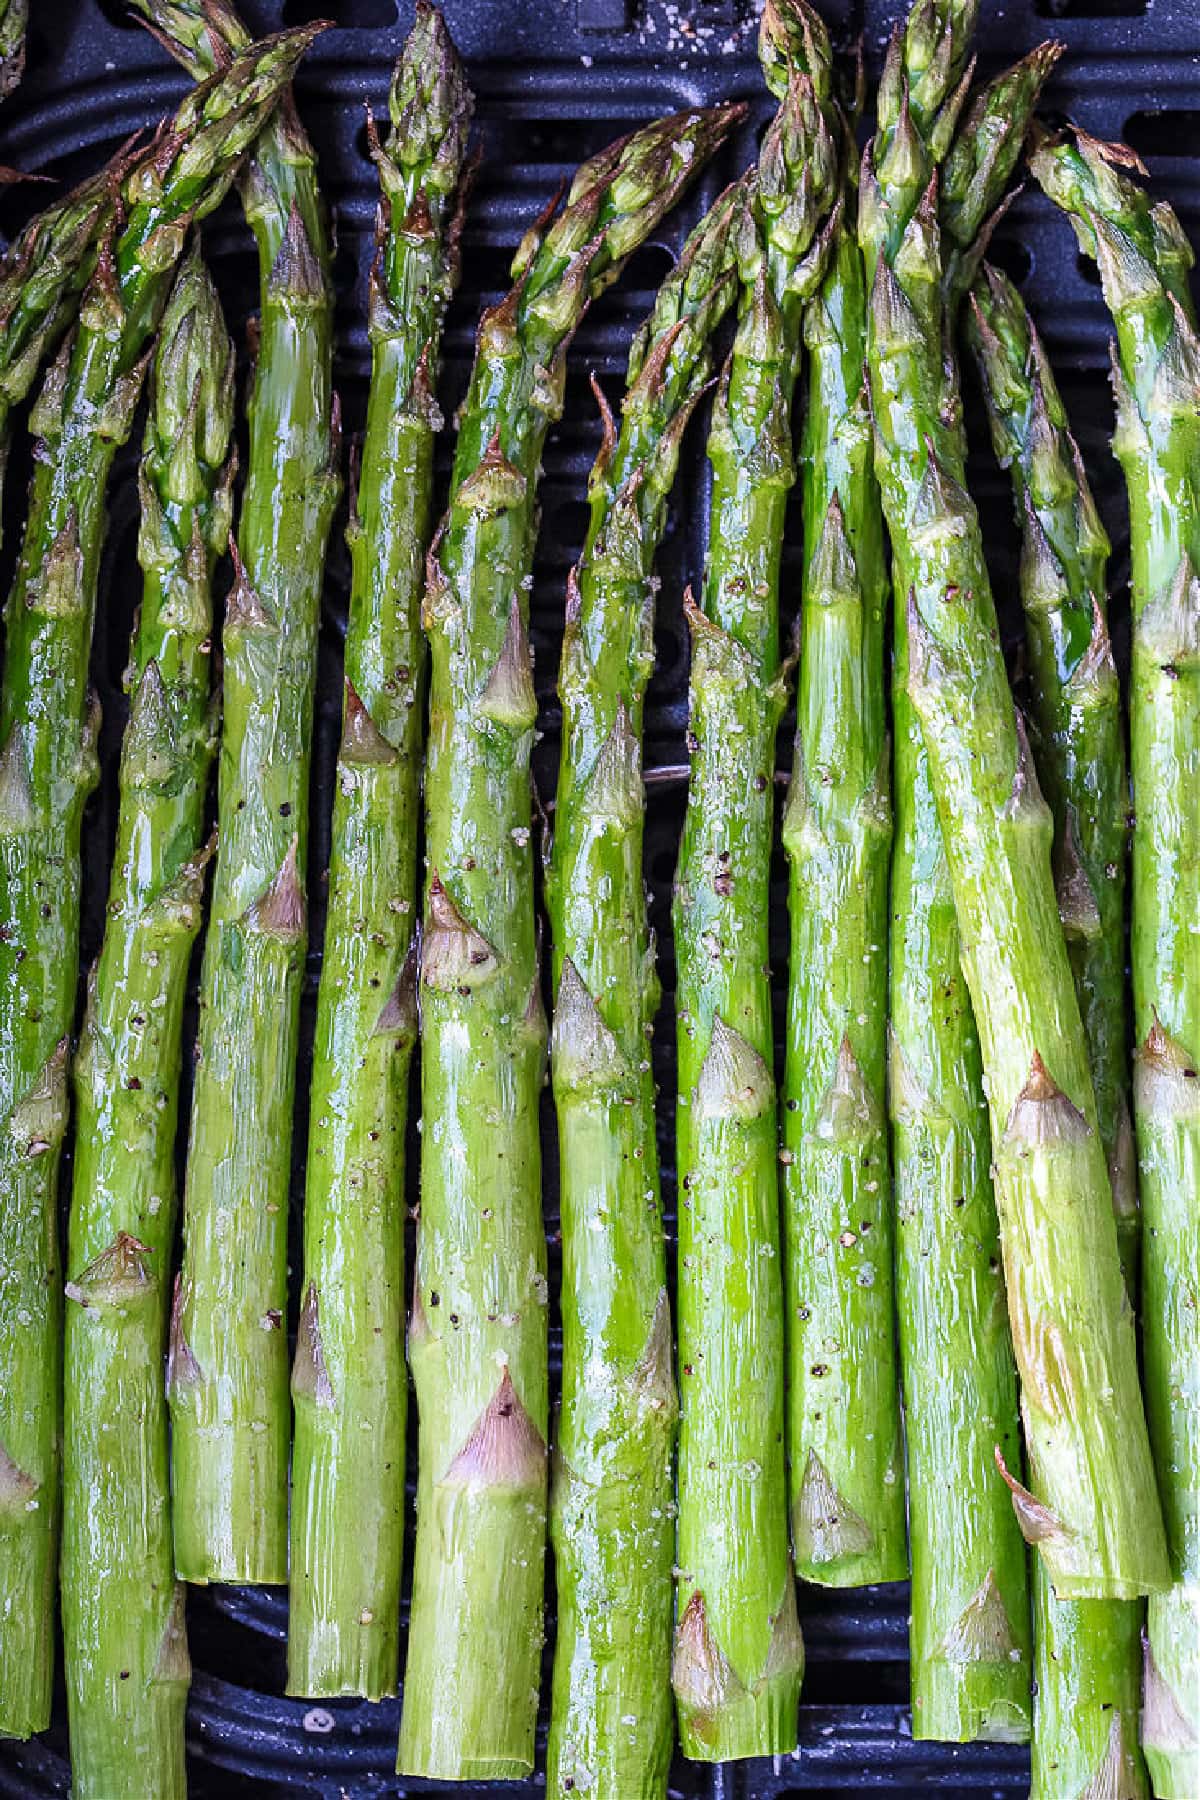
x=541 y=109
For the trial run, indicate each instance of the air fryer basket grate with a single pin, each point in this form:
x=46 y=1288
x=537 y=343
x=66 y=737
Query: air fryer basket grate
x=555 y=79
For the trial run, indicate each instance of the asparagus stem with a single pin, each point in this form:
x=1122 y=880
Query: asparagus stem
x=349 y=1381
x=124 y=1637
x=1093 y=1510
x=1086 y=1705
x=969 y=1634
x=847 y=1476
x=738 y=1657
x=48 y=725
x=1144 y=261
x=477 y=1339
x=1087 y=1651
x=1079 y=747
x=612 y=1723
x=229 y=1390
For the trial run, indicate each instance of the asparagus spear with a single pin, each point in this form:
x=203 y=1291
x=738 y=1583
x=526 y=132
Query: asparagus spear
x=1093 y=1510
x=41 y=278
x=477 y=1338
x=847 y=1477
x=738 y=1657
x=125 y=1643
x=48 y=725
x=229 y=1382
x=1144 y=261
x=349 y=1381
x=14 y=16
x=1087 y=1651
x=612 y=1723
x=969 y=1630
x=1079 y=747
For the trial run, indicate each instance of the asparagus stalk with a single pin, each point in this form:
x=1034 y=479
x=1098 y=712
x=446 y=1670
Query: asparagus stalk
x=1087 y=1651
x=123 y=1629
x=14 y=16
x=738 y=1657
x=612 y=1721
x=847 y=1474
x=229 y=1372
x=1093 y=1510
x=1144 y=261
x=969 y=1632
x=48 y=725
x=1079 y=746
x=1085 y=1715
x=477 y=1339
x=349 y=1381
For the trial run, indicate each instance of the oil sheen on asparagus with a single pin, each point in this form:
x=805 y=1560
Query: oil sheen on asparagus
x=48 y=727
x=846 y=1459
x=349 y=1380
x=969 y=1634
x=1088 y=1655
x=230 y=1411
x=477 y=1338
x=738 y=1656
x=123 y=1629
x=1144 y=261
x=1092 y=1509
x=612 y=1724
x=41 y=278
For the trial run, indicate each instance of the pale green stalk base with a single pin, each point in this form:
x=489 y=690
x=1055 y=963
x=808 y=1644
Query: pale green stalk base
x=1085 y=1714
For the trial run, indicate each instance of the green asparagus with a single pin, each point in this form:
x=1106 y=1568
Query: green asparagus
x=349 y=1381
x=477 y=1338
x=969 y=1632
x=123 y=1629
x=1085 y=1715
x=1079 y=747
x=738 y=1657
x=48 y=726
x=229 y=1387
x=847 y=1470
x=1087 y=1651
x=1144 y=261
x=612 y=1722
x=1093 y=1510
x=14 y=16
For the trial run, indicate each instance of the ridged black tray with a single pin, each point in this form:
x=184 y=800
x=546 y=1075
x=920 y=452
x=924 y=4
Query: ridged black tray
x=556 y=79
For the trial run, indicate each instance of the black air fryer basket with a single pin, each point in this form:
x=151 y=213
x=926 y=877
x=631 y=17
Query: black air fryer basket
x=555 y=80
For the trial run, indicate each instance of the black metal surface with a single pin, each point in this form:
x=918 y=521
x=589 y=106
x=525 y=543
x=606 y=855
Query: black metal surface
x=556 y=79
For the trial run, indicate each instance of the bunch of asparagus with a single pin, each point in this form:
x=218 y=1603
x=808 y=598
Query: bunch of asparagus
x=950 y=1168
